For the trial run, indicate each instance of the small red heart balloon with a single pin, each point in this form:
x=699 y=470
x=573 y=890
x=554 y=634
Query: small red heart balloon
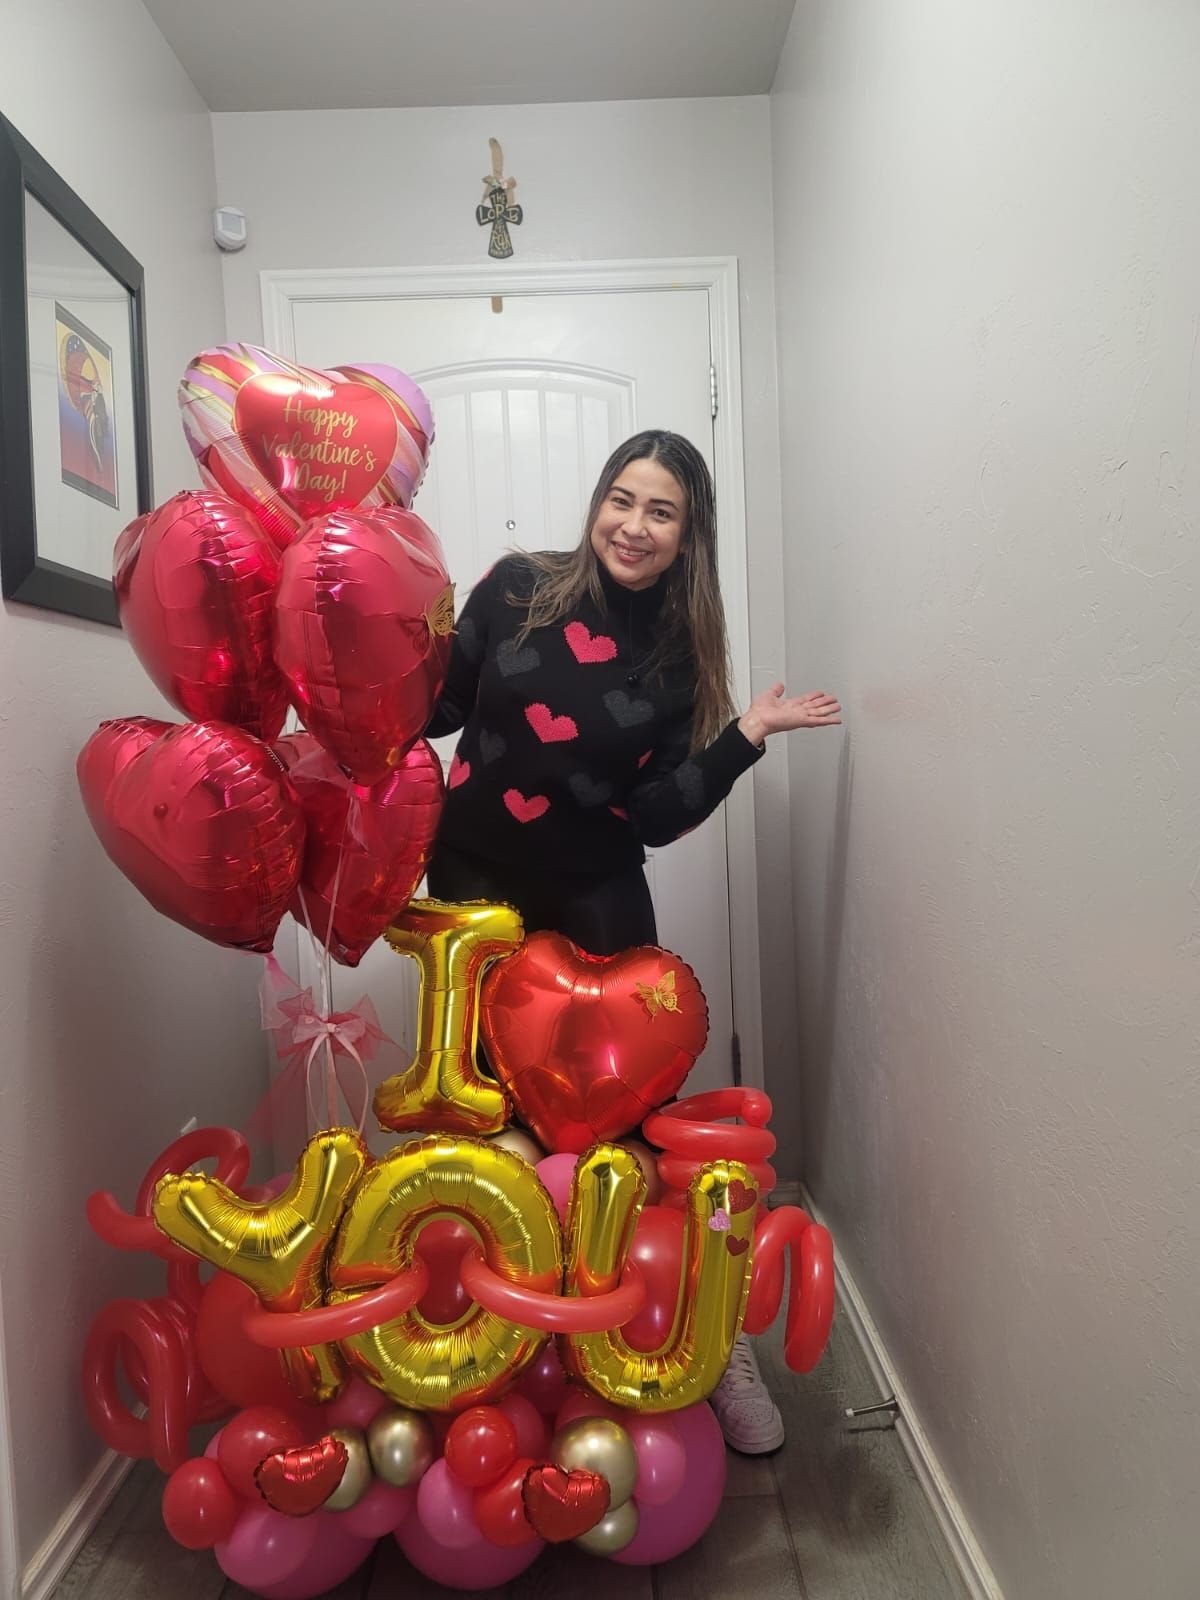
x=108 y=752
x=367 y=846
x=195 y=583
x=362 y=634
x=562 y=1505
x=588 y=1045
x=299 y=1481
x=203 y=822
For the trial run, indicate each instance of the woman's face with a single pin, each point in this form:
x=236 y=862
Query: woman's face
x=640 y=524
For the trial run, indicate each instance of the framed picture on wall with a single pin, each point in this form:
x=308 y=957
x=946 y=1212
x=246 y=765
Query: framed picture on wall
x=74 y=427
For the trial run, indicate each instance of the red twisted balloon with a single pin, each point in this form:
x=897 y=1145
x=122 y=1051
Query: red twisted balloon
x=810 y=1299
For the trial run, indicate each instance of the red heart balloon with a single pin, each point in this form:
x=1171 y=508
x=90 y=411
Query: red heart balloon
x=290 y=443
x=299 y=1481
x=588 y=1045
x=195 y=583
x=203 y=822
x=561 y=1505
x=370 y=845
x=363 y=623
x=108 y=752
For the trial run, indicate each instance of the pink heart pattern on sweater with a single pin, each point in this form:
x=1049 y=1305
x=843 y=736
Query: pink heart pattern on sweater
x=549 y=728
x=526 y=809
x=460 y=771
x=589 y=647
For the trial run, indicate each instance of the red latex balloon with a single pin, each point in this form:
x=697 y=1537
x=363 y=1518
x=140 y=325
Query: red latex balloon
x=195 y=583
x=205 y=824
x=369 y=845
x=657 y=1251
x=441 y=1244
x=363 y=623
x=588 y=1045
x=480 y=1445
x=246 y=1373
x=199 y=1508
x=500 y=1508
x=248 y=1439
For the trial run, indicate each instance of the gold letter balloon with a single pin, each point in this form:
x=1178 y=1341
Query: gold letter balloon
x=714 y=1283
x=452 y=944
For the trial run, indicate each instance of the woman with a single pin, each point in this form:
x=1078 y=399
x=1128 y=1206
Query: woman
x=592 y=688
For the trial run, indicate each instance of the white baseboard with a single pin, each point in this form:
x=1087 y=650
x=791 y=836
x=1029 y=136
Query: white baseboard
x=968 y=1557
x=43 y=1573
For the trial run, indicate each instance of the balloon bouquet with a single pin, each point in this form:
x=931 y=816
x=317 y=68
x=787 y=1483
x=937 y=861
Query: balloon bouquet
x=490 y=1338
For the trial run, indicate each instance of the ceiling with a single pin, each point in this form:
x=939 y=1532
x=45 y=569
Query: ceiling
x=320 y=55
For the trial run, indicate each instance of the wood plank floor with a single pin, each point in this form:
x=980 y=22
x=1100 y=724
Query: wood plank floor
x=835 y=1515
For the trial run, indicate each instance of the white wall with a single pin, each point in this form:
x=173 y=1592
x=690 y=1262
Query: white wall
x=989 y=303
x=597 y=182
x=117 y=1025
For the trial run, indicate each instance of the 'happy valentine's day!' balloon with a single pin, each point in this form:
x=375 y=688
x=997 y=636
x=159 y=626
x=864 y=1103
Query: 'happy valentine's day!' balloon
x=289 y=443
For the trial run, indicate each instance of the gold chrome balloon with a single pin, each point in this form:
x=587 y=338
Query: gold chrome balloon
x=598 y=1444
x=451 y=944
x=718 y=1244
x=402 y=1446
x=277 y=1246
x=419 y=1364
x=616 y=1528
x=358 y=1477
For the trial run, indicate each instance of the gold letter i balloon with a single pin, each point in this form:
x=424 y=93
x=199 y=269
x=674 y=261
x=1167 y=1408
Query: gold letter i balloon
x=277 y=1247
x=714 y=1283
x=452 y=944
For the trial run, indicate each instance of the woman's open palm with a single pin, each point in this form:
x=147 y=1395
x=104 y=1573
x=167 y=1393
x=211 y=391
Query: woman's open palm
x=774 y=711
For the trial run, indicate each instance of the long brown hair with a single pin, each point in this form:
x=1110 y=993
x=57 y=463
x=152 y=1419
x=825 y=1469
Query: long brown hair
x=692 y=621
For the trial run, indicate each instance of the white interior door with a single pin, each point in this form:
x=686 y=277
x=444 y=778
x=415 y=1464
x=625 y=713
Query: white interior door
x=528 y=403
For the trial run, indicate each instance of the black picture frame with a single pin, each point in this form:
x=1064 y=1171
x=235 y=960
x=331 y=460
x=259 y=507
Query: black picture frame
x=32 y=569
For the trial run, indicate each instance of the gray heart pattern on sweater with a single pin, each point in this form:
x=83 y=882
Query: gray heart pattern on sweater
x=512 y=662
x=689 y=780
x=627 y=713
x=469 y=641
x=491 y=746
x=589 y=792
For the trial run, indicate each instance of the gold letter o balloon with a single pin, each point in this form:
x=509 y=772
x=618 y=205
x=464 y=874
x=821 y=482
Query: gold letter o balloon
x=498 y=1194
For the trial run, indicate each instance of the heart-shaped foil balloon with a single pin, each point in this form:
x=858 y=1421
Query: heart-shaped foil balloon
x=588 y=1045
x=363 y=621
x=195 y=583
x=290 y=443
x=299 y=1481
x=365 y=847
x=202 y=820
x=561 y=1505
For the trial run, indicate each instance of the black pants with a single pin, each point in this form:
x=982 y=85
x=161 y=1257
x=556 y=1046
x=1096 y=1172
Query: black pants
x=601 y=913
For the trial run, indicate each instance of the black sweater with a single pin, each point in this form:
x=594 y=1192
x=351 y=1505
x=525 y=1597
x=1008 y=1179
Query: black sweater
x=572 y=757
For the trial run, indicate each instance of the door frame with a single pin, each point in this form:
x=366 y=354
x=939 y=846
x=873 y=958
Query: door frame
x=717 y=276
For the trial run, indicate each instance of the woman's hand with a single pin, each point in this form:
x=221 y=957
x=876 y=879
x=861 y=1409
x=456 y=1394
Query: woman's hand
x=770 y=712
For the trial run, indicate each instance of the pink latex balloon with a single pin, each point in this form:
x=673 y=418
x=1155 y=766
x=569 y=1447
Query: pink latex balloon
x=662 y=1460
x=384 y=1508
x=369 y=846
x=266 y=1547
x=533 y=1435
x=195 y=582
x=666 y=1530
x=544 y=1381
x=290 y=443
x=446 y=1509
x=356 y=1406
x=556 y=1172
x=336 y=1554
x=583 y=1403
x=480 y=1566
x=363 y=624
x=204 y=823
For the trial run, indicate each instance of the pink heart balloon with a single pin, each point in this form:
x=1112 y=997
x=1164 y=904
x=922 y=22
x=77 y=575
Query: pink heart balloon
x=202 y=821
x=289 y=442
x=362 y=634
x=366 y=848
x=195 y=583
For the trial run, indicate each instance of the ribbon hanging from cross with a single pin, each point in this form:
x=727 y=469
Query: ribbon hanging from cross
x=498 y=208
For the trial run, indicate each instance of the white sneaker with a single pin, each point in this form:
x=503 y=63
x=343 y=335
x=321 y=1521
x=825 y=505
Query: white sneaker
x=748 y=1416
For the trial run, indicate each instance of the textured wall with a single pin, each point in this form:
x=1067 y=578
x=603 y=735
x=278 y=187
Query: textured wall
x=111 y=1037
x=988 y=287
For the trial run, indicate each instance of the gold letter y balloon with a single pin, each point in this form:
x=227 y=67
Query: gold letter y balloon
x=277 y=1247
x=452 y=944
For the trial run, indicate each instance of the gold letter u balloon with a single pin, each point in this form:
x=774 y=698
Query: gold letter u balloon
x=714 y=1283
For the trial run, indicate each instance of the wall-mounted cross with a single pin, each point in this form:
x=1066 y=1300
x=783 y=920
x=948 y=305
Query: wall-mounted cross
x=499 y=210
